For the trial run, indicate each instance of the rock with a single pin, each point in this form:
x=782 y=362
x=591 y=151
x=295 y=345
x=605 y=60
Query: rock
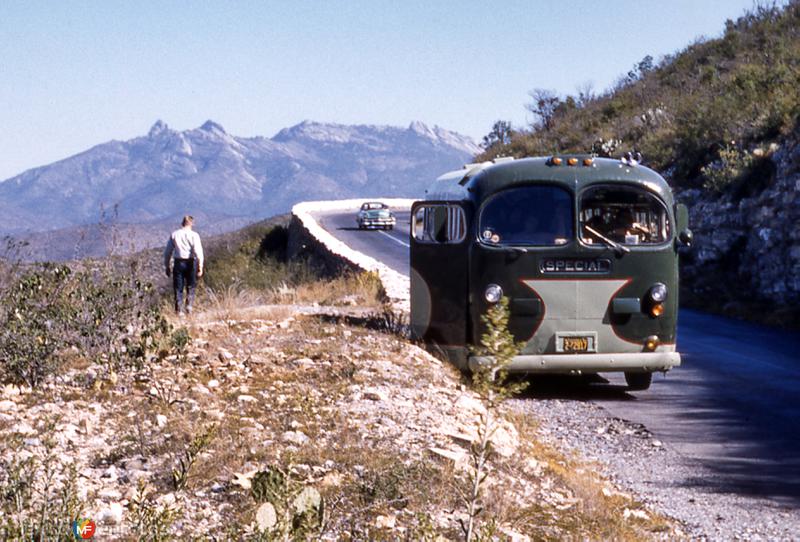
x=656 y=443
x=7 y=405
x=295 y=437
x=636 y=514
x=386 y=522
x=199 y=388
x=135 y=464
x=308 y=500
x=112 y=515
x=457 y=457
x=246 y=399
x=161 y=420
x=10 y=390
x=304 y=362
x=213 y=383
x=374 y=394
x=266 y=518
x=109 y=494
x=243 y=479
x=110 y=473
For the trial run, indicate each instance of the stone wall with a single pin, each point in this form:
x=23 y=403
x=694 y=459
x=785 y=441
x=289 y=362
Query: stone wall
x=746 y=257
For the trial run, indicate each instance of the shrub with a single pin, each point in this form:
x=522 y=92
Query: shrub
x=733 y=164
x=49 y=309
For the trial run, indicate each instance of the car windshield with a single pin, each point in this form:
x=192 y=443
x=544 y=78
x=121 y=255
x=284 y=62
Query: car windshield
x=532 y=215
x=373 y=206
x=625 y=215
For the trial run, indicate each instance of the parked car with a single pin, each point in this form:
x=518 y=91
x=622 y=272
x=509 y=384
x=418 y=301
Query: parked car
x=374 y=214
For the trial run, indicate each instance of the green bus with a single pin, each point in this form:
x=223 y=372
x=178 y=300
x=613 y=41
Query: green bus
x=584 y=248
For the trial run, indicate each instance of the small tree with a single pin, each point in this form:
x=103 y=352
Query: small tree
x=490 y=382
x=544 y=105
x=501 y=134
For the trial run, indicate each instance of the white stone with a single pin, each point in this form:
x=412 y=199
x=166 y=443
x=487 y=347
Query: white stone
x=266 y=518
x=295 y=437
x=161 y=420
x=213 y=383
x=109 y=494
x=246 y=399
x=636 y=514
x=242 y=479
x=386 y=522
x=199 y=388
x=7 y=406
x=112 y=514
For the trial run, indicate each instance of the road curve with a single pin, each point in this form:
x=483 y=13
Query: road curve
x=732 y=409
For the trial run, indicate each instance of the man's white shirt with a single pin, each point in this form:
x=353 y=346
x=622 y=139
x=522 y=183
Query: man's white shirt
x=184 y=243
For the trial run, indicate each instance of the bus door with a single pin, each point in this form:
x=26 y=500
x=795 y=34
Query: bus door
x=439 y=276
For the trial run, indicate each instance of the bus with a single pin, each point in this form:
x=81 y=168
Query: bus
x=584 y=248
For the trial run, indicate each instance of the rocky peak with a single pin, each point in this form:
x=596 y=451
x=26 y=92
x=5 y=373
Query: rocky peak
x=157 y=129
x=213 y=127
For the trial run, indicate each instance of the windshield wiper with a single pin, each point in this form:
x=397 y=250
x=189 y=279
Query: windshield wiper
x=619 y=250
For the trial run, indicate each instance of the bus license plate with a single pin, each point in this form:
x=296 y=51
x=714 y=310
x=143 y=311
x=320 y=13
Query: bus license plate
x=576 y=343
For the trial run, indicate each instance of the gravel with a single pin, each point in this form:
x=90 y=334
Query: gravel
x=660 y=477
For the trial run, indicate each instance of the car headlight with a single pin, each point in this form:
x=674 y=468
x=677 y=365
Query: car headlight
x=493 y=293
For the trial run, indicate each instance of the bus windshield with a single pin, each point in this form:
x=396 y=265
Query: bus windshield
x=625 y=215
x=539 y=215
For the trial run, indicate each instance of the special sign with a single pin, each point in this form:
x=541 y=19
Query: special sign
x=575 y=265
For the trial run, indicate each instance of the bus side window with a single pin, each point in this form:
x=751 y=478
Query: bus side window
x=440 y=224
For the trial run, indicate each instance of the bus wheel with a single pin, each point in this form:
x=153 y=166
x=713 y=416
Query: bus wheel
x=638 y=381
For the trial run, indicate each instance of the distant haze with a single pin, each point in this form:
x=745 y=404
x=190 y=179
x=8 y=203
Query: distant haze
x=224 y=179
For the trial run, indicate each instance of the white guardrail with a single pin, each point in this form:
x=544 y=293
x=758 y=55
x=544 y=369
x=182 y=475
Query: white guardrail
x=394 y=283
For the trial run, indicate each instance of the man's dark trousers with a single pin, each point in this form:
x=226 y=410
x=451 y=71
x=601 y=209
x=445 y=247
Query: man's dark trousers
x=184 y=275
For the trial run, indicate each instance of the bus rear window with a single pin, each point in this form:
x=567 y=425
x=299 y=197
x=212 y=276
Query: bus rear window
x=538 y=215
x=625 y=215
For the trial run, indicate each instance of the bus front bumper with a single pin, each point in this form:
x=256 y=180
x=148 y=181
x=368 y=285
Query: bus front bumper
x=586 y=363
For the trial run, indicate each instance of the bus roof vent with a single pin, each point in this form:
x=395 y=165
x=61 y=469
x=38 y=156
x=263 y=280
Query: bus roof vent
x=501 y=159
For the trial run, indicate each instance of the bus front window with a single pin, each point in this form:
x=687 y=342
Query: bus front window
x=624 y=215
x=539 y=215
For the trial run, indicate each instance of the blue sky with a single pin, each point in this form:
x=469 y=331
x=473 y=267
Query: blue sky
x=76 y=74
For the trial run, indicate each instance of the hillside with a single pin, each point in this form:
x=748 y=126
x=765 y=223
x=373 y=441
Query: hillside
x=721 y=121
x=222 y=179
x=287 y=407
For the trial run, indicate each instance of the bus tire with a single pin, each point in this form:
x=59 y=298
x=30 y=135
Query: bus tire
x=638 y=381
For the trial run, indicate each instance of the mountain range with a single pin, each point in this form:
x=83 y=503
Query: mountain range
x=222 y=179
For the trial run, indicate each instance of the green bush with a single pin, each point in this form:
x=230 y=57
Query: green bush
x=48 y=311
x=733 y=164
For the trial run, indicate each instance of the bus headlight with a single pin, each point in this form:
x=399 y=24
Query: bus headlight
x=658 y=293
x=493 y=293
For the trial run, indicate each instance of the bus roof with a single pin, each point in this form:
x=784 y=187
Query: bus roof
x=506 y=174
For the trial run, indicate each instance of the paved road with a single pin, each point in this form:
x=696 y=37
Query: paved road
x=733 y=407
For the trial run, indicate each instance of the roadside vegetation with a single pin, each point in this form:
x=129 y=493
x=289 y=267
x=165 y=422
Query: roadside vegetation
x=709 y=115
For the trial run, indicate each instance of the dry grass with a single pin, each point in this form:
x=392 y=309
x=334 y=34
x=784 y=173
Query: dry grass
x=592 y=508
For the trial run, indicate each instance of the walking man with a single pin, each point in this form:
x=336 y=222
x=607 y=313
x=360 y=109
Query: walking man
x=184 y=244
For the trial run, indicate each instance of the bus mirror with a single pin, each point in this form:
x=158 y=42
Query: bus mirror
x=686 y=237
x=681 y=217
